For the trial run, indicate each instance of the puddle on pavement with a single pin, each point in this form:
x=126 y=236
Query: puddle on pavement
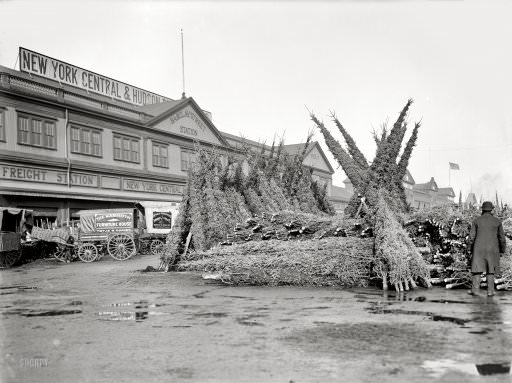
x=49 y=313
x=210 y=315
x=376 y=309
x=438 y=368
x=248 y=320
x=8 y=290
x=238 y=297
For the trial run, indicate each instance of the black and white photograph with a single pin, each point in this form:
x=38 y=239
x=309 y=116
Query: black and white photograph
x=255 y=191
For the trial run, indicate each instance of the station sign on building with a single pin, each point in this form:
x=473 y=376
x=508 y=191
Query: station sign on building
x=64 y=73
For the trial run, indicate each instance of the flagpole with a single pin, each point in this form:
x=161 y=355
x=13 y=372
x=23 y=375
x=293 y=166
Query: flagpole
x=182 y=64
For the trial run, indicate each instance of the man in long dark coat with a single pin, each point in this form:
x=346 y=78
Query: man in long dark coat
x=487 y=241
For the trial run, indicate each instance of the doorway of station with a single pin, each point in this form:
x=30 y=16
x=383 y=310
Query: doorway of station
x=44 y=217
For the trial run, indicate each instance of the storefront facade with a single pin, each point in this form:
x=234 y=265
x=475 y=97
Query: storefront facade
x=68 y=143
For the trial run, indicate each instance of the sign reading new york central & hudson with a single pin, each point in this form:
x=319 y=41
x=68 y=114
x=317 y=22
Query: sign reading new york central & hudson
x=41 y=65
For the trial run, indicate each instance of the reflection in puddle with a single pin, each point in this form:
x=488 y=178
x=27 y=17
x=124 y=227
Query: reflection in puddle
x=123 y=315
x=438 y=368
x=137 y=316
x=138 y=305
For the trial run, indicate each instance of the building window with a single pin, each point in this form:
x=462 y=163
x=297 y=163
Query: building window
x=2 y=125
x=35 y=131
x=126 y=148
x=160 y=155
x=86 y=141
x=188 y=158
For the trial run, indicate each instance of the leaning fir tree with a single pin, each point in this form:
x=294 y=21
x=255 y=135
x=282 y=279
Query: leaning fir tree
x=381 y=185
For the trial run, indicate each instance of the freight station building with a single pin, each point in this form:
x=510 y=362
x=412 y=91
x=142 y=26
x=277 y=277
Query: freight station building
x=71 y=139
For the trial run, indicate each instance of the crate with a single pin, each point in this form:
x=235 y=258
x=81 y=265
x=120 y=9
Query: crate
x=9 y=241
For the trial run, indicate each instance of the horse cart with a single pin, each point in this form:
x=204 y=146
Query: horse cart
x=112 y=231
x=14 y=223
x=158 y=220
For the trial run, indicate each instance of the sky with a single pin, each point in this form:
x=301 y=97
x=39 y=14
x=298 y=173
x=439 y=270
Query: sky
x=257 y=65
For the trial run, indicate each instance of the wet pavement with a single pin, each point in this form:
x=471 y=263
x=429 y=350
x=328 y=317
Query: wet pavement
x=107 y=321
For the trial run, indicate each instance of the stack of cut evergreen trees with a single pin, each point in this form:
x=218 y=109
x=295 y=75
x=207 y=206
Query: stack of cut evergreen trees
x=271 y=198
x=225 y=192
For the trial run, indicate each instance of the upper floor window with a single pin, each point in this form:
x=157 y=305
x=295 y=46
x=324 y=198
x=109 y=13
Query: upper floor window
x=36 y=131
x=160 y=157
x=2 y=124
x=85 y=140
x=126 y=148
x=188 y=158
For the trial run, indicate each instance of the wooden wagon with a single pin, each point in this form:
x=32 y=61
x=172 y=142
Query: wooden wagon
x=112 y=231
x=158 y=220
x=13 y=224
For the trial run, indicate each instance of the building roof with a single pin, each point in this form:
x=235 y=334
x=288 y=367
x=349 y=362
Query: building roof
x=241 y=140
x=408 y=178
x=171 y=107
x=430 y=185
x=446 y=192
x=159 y=108
x=291 y=149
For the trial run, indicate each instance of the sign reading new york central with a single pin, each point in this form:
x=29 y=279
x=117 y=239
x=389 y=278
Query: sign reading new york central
x=41 y=65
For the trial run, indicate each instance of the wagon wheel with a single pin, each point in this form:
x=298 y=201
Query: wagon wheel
x=9 y=258
x=60 y=252
x=157 y=247
x=121 y=247
x=87 y=252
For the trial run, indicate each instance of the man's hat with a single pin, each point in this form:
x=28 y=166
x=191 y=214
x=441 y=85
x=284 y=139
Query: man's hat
x=487 y=206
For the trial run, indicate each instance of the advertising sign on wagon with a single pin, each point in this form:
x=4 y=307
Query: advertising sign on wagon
x=162 y=220
x=114 y=222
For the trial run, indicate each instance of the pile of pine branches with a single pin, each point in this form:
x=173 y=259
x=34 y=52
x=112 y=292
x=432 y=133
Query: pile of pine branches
x=344 y=262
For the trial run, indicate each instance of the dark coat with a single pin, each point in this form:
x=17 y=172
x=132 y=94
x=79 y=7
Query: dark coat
x=487 y=241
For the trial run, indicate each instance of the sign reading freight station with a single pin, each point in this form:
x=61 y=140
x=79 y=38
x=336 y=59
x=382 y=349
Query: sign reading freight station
x=33 y=174
x=48 y=176
x=41 y=65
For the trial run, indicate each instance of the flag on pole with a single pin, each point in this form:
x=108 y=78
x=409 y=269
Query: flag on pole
x=454 y=166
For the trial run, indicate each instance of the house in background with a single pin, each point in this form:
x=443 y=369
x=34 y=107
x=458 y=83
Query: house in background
x=419 y=196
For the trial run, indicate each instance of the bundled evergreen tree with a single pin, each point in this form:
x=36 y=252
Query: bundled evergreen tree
x=385 y=172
